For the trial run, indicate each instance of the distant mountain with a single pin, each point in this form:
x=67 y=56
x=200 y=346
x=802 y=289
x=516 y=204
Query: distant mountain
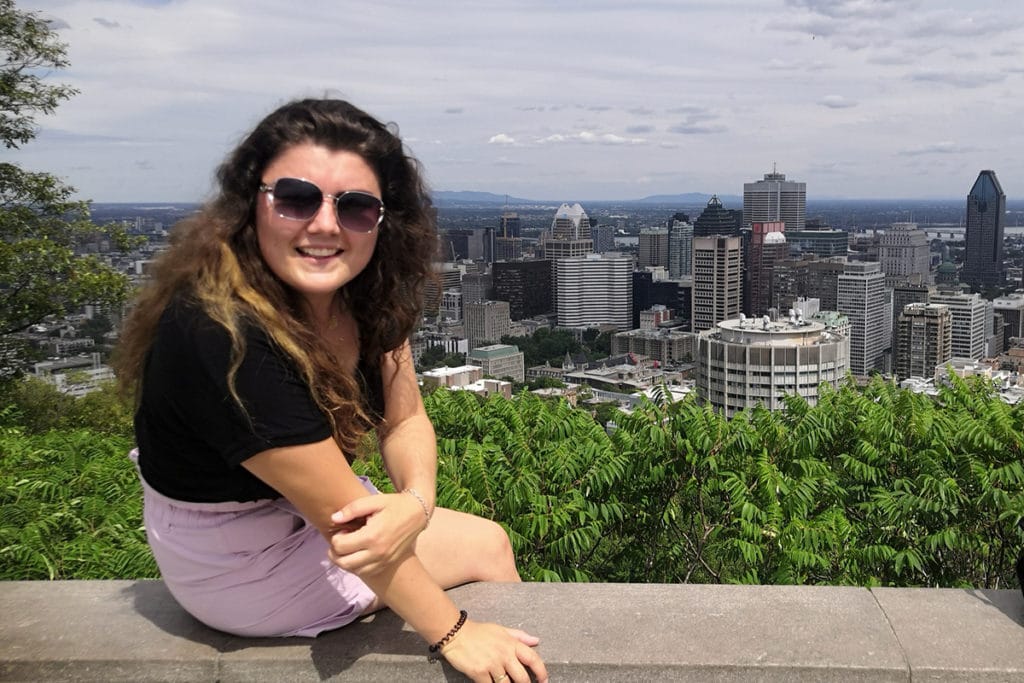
x=470 y=198
x=730 y=201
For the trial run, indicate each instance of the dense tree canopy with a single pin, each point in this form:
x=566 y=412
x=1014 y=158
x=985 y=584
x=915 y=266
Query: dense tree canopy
x=41 y=223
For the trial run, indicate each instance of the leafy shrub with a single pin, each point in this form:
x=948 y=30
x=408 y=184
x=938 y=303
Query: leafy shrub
x=878 y=486
x=70 y=508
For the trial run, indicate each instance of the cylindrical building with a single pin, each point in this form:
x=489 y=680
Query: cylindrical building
x=748 y=361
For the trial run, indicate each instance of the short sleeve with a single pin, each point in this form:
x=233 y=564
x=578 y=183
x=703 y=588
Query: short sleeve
x=193 y=434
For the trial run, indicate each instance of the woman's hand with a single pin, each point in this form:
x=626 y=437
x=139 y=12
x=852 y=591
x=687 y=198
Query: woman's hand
x=489 y=652
x=372 y=532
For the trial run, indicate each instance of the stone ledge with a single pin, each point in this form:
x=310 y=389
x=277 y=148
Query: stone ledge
x=134 y=631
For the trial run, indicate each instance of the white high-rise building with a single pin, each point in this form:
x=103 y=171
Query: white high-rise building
x=775 y=199
x=863 y=298
x=680 y=250
x=717 y=280
x=594 y=290
x=905 y=254
x=570 y=233
x=972 y=322
x=754 y=361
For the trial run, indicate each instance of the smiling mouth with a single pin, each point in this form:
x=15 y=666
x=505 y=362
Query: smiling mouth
x=318 y=252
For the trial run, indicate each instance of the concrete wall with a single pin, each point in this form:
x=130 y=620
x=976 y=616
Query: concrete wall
x=134 y=631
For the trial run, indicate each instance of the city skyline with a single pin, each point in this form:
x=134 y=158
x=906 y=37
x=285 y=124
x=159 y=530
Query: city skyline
x=565 y=101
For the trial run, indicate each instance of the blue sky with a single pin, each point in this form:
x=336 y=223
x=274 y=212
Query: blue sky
x=562 y=100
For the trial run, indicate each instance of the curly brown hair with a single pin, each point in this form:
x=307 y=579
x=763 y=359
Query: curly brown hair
x=214 y=259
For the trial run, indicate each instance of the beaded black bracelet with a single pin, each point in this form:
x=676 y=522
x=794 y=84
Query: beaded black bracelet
x=436 y=647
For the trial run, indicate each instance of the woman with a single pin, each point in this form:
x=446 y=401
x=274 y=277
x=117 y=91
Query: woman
x=272 y=338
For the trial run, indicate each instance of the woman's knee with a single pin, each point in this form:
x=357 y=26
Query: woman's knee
x=497 y=551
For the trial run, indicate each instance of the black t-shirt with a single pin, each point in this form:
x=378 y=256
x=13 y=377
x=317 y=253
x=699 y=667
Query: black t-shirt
x=191 y=433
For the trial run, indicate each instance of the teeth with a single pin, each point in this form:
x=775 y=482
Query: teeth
x=320 y=252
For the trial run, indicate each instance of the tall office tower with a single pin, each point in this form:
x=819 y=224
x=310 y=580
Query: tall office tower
x=986 y=216
x=474 y=245
x=810 y=278
x=525 y=285
x=680 y=249
x=717 y=220
x=508 y=248
x=765 y=247
x=972 y=322
x=604 y=238
x=908 y=293
x=717 y=280
x=862 y=296
x=486 y=322
x=820 y=240
x=649 y=292
x=905 y=254
x=476 y=287
x=448 y=277
x=509 y=225
x=1011 y=307
x=997 y=339
x=570 y=234
x=653 y=244
x=594 y=290
x=924 y=340
x=775 y=199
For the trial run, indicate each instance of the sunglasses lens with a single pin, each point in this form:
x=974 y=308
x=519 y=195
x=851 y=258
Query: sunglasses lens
x=358 y=211
x=296 y=199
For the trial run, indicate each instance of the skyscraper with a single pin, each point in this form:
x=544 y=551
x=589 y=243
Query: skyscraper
x=972 y=322
x=594 y=290
x=862 y=296
x=570 y=233
x=905 y=254
x=809 y=277
x=717 y=220
x=986 y=216
x=775 y=199
x=486 y=322
x=680 y=249
x=525 y=285
x=924 y=340
x=717 y=280
x=509 y=225
x=653 y=247
x=766 y=247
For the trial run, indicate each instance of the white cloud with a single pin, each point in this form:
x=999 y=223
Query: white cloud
x=179 y=82
x=836 y=102
x=501 y=139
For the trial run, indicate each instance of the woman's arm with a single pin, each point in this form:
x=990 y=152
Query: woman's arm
x=407 y=445
x=409 y=450
x=317 y=479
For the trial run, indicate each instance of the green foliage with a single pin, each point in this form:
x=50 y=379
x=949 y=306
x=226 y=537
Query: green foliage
x=878 y=486
x=38 y=407
x=550 y=346
x=40 y=221
x=70 y=508
x=28 y=45
x=435 y=357
x=873 y=487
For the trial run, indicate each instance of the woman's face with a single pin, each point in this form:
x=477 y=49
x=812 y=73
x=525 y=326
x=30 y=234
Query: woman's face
x=317 y=256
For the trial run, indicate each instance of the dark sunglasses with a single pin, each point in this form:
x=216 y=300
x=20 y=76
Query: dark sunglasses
x=299 y=200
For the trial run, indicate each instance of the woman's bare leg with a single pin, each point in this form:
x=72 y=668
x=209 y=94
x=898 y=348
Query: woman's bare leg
x=459 y=548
